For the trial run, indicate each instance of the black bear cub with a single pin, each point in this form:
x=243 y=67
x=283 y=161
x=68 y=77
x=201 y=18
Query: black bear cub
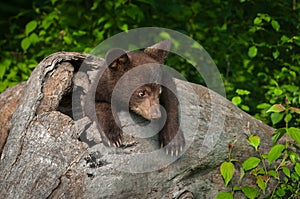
x=146 y=99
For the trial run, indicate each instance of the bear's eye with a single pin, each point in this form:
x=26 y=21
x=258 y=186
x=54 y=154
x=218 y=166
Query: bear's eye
x=142 y=93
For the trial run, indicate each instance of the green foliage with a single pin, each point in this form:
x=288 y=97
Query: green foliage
x=254 y=141
x=227 y=171
x=281 y=164
x=250 y=163
x=61 y=26
x=237 y=100
x=250 y=192
x=252 y=52
x=255 y=46
x=294 y=133
x=275 y=153
x=224 y=195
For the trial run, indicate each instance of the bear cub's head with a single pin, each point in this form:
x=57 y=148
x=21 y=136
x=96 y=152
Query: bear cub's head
x=146 y=68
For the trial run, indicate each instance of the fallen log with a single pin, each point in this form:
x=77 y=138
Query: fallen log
x=51 y=149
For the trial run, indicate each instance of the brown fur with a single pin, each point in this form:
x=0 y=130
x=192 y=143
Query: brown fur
x=145 y=100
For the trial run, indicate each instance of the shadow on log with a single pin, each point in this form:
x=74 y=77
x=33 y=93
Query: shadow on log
x=50 y=149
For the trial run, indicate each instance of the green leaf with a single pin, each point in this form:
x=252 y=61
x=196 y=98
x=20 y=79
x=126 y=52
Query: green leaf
x=296 y=40
x=53 y=1
x=224 y=195
x=227 y=171
x=272 y=81
x=3 y=85
x=296 y=110
x=95 y=5
x=242 y=174
x=250 y=192
x=236 y=100
x=257 y=21
x=254 y=141
x=291 y=88
x=260 y=171
x=107 y=25
x=79 y=33
x=264 y=16
x=252 y=51
x=275 y=152
x=286 y=171
x=264 y=156
x=25 y=43
x=5 y=64
x=42 y=33
x=251 y=163
x=275 y=25
x=273 y=173
x=284 y=39
x=293 y=74
x=294 y=157
x=261 y=183
x=288 y=118
x=68 y=39
x=295 y=176
x=297 y=168
x=124 y=27
x=31 y=26
x=237 y=188
x=102 y=19
x=294 y=133
x=280 y=192
x=2 y=72
x=242 y=92
x=278 y=133
x=245 y=107
x=276 y=108
x=49 y=19
x=276 y=117
x=277 y=91
x=275 y=54
x=33 y=38
x=263 y=106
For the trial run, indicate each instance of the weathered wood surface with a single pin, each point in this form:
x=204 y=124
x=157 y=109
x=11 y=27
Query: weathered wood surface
x=43 y=156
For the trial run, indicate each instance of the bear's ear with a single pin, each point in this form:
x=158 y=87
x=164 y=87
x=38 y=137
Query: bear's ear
x=159 y=51
x=116 y=59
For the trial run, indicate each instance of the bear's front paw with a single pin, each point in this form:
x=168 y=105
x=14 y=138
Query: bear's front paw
x=114 y=138
x=172 y=145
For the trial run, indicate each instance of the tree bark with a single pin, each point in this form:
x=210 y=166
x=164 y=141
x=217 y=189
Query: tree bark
x=52 y=150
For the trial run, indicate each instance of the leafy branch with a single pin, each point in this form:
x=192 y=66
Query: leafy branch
x=281 y=164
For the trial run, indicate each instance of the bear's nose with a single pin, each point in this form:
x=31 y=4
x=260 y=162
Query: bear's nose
x=155 y=111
